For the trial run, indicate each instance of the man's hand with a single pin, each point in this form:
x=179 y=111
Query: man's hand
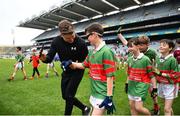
x=42 y=57
x=108 y=104
x=65 y=64
x=41 y=50
x=154 y=93
x=126 y=88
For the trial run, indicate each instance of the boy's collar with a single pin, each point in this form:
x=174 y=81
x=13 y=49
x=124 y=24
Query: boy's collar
x=146 y=50
x=162 y=59
x=100 y=46
x=139 y=56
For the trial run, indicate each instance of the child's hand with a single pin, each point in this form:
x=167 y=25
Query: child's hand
x=156 y=71
x=41 y=51
x=65 y=65
x=42 y=57
x=108 y=104
x=154 y=68
x=126 y=88
x=154 y=93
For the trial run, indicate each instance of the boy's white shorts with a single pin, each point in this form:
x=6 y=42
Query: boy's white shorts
x=19 y=65
x=95 y=102
x=134 y=98
x=168 y=91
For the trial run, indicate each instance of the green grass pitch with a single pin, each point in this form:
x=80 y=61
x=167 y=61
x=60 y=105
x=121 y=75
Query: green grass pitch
x=43 y=96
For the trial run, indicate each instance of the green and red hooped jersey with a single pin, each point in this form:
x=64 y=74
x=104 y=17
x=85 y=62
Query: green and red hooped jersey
x=140 y=69
x=169 y=66
x=101 y=64
x=139 y=76
x=151 y=54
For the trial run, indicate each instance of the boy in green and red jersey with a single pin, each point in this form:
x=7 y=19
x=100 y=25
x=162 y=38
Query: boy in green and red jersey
x=101 y=63
x=177 y=54
x=19 y=64
x=151 y=54
x=177 y=51
x=140 y=76
x=167 y=74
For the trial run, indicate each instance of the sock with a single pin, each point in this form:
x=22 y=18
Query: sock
x=156 y=106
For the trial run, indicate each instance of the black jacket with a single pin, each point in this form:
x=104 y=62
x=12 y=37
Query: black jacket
x=76 y=51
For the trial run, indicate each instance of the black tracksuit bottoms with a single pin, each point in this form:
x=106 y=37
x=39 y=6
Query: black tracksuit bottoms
x=35 y=69
x=69 y=85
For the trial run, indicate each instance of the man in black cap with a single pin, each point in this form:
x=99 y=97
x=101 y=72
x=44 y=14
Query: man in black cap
x=69 y=46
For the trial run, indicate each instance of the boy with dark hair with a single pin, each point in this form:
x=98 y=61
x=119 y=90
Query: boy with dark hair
x=139 y=77
x=144 y=42
x=151 y=54
x=101 y=63
x=143 y=46
x=167 y=74
x=19 y=64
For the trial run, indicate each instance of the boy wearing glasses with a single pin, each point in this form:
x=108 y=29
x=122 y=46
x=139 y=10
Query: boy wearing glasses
x=101 y=63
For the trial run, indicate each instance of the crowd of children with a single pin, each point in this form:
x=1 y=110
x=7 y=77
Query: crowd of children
x=165 y=70
x=158 y=73
x=34 y=58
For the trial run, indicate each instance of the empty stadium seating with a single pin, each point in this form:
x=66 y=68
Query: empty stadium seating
x=157 y=21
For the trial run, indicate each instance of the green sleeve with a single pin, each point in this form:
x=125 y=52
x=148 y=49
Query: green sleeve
x=109 y=63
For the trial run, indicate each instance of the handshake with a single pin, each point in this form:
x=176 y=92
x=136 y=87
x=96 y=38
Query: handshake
x=65 y=65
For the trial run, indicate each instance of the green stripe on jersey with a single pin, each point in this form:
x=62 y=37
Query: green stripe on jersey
x=138 y=89
x=151 y=54
x=105 y=53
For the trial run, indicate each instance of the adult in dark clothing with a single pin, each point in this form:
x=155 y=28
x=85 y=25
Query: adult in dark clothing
x=69 y=46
